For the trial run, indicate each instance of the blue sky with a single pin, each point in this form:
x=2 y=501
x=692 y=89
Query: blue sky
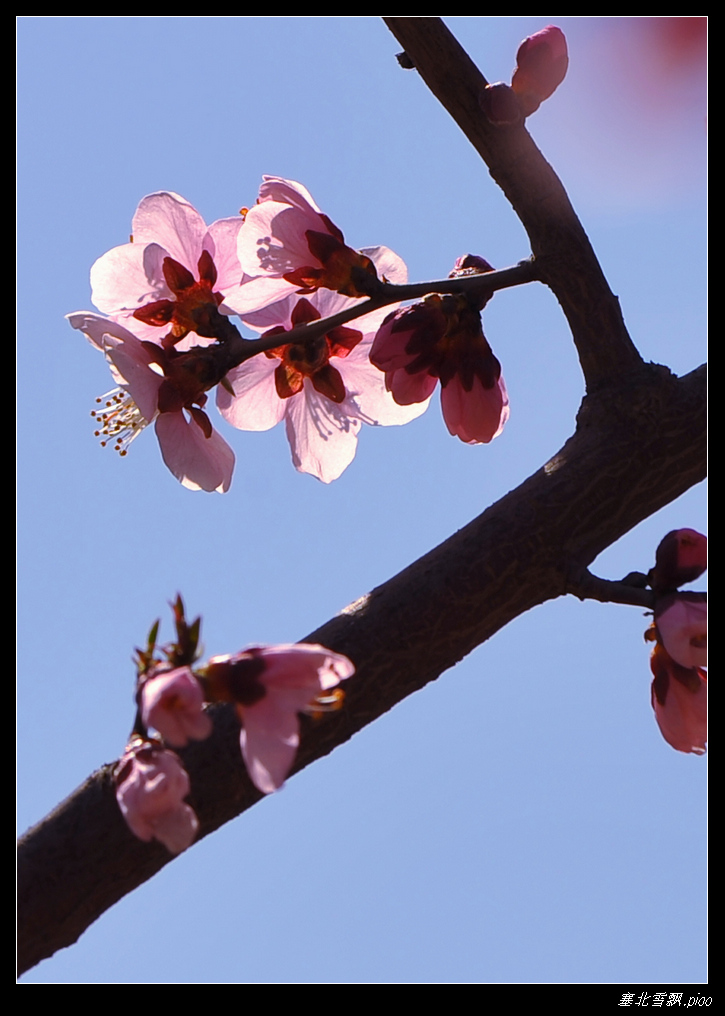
x=521 y=820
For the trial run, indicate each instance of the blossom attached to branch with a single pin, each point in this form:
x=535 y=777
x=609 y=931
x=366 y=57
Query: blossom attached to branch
x=172 y=703
x=162 y=386
x=151 y=785
x=287 y=244
x=441 y=339
x=174 y=275
x=681 y=557
x=324 y=389
x=681 y=621
x=679 y=631
x=270 y=685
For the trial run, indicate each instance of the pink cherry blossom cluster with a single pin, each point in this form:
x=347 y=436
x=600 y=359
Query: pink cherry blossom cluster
x=167 y=299
x=679 y=631
x=269 y=685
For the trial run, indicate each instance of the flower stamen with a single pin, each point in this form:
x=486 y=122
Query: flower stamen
x=120 y=420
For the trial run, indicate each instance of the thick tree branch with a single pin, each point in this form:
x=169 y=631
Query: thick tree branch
x=565 y=258
x=639 y=443
x=635 y=449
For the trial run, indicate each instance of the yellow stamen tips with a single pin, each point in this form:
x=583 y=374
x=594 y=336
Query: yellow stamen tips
x=120 y=420
x=244 y=212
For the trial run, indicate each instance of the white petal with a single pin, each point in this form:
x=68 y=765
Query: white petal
x=169 y=220
x=322 y=436
x=255 y=404
x=198 y=462
x=367 y=396
x=128 y=277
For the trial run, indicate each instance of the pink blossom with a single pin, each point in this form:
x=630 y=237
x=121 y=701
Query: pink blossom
x=287 y=244
x=541 y=64
x=324 y=390
x=271 y=685
x=679 y=700
x=162 y=386
x=174 y=268
x=441 y=339
x=151 y=785
x=682 y=626
x=172 y=703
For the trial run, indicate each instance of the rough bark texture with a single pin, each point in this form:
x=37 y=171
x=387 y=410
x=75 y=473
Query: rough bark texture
x=639 y=443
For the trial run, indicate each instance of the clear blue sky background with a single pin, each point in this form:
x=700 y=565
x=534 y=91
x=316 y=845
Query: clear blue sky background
x=522 y=819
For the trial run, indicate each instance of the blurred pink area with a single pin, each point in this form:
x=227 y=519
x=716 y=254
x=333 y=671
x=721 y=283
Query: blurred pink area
x=639 y=139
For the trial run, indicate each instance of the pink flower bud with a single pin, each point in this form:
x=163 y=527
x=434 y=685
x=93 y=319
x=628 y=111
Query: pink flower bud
x=681 y=557
x=172 y=703
x=151 y=785
x=541 y=63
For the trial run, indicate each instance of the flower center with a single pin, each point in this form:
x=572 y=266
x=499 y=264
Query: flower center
x=194 y=306
x=312 y=358
x=119 y=421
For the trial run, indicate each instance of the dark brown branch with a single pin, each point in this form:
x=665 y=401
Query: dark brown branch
x=586 y=586
x=566 y=260
x=635 y=449
x=234 y=350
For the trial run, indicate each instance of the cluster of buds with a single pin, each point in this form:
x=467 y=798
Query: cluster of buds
x=679 y=633
x=268 y=685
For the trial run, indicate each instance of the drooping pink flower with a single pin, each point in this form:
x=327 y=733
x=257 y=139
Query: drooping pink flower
x=176 y=269
x=541 y=64
x=679 y=700
x=172 y=703
x=162 y=386
x=270 y=686
x=681 y=557
x=288 y=245
x=324 y=390
x=151 y=785
x=441 y=339
x=681 y=621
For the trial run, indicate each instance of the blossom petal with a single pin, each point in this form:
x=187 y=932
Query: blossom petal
x=96 y=326
x=221 y=242
x=322 y=436
x=409 y=389
x=682 y=628
x=128 y=277
x=172 y=703
x=293 y=676
x=255 y=404
x=276 y=188
x=198 y=462
x=169 y=220
x=269 y=742
x=477 y=416
x=368 y=396
x=150 y=794
x=130 y=366
x=389 y=265
x=679 y=700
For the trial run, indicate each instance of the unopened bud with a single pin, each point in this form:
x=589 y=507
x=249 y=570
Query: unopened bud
x=541 y=64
